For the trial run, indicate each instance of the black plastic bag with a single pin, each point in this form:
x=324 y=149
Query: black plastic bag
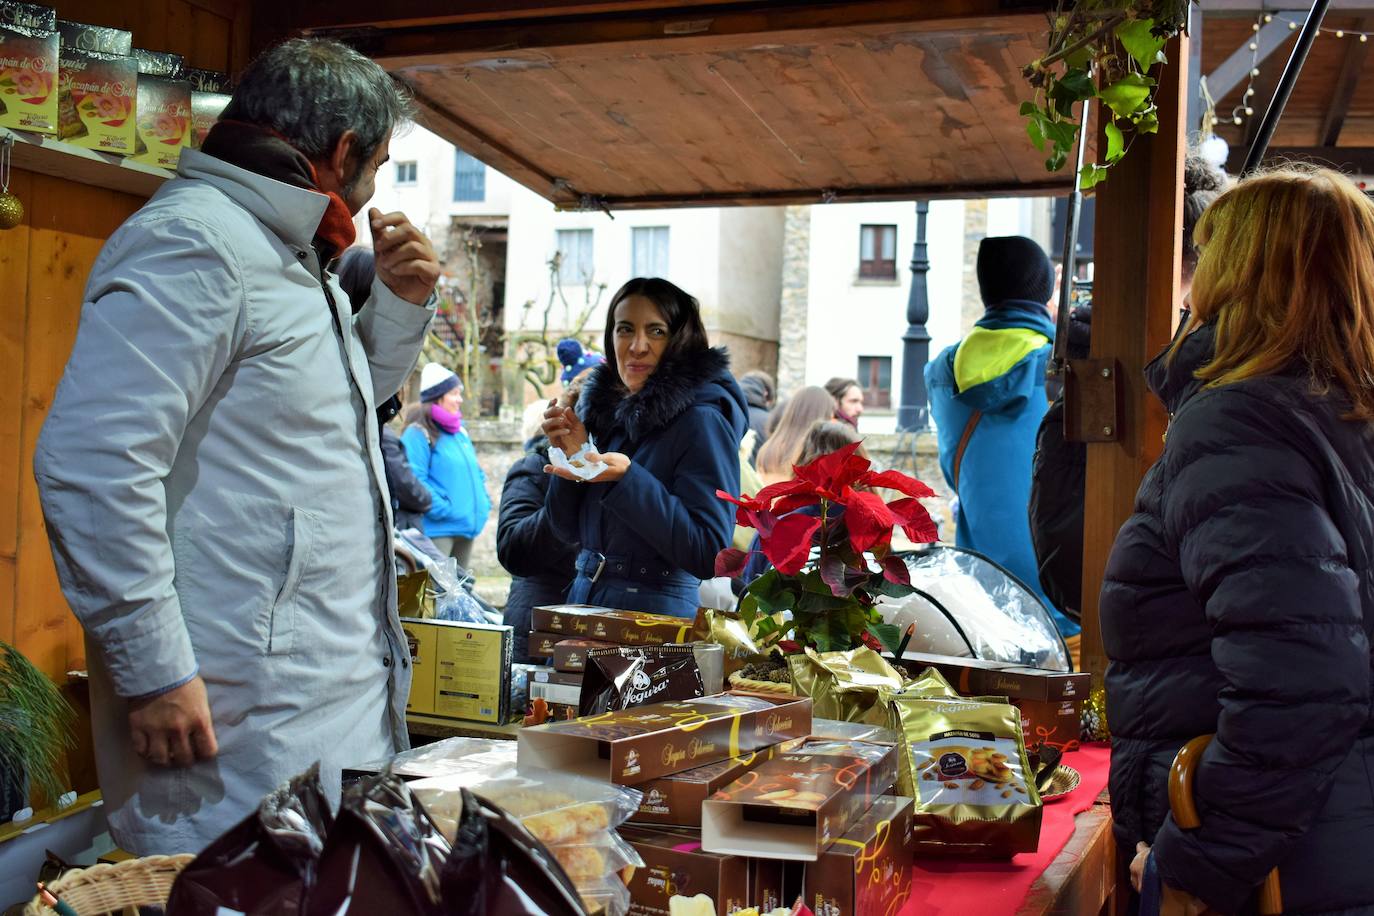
x=264 y=865
x=498 y=868
x=383 y=856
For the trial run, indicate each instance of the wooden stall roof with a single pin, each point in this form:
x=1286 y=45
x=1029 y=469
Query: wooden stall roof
x=648 y=104
x=1330 y=115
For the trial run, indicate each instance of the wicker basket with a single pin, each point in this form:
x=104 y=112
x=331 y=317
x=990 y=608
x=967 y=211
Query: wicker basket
x=109 y=888
x=748 y=683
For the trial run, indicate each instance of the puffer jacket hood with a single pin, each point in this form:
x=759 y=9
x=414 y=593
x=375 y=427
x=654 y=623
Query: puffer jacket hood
x=755 y=392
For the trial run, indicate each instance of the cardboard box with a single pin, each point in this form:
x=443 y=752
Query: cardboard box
x=627 y=628
x=571 y=654
x=562 y=694
x=461 y=670
x=550 y=676
x=795 y=805
x=1041 y=695
x=100 y=38
x=674 y=863
x=27 y=15
x=542 y=644
x=676 y=800
x=163 y=122
x=633 y=746
x=28 y=70
x=766 y=884
x=96 y=96
x=868 y=870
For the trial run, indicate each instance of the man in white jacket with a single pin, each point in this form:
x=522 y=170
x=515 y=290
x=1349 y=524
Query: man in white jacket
x=210 y=471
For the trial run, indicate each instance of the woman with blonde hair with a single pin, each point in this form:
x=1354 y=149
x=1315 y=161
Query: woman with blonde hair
x=1239 y=597
x=803 y=410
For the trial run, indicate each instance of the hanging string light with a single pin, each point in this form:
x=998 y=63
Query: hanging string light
x=1346 y=33
x=1244 y=109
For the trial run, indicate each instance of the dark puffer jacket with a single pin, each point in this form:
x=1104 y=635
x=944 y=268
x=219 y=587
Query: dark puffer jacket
x=410 y=498
x=540 y=562
x=1239 y=600
x=661 y=525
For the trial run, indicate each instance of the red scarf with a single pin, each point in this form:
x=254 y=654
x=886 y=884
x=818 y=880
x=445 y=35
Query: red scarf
x=267 y=153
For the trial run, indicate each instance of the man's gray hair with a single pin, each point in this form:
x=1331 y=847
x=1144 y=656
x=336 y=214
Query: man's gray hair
x=312 y=90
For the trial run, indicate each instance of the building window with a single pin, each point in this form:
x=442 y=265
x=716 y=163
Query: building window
x=875 y=374
x=469 y=178
x=576 y=247
x=649 y=251
x=878 y=252
x=405 y=173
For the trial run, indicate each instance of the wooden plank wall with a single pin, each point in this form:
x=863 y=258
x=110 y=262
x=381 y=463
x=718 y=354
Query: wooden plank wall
x=43 y=268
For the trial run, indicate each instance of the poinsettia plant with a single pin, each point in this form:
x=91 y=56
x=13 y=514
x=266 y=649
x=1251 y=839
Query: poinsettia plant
x=831 y=505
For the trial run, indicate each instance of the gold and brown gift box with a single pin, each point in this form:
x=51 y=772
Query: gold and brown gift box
x=1051 y=702
x=675 y=864
x=676 y=800
x=633 y=746
x=795 y=805
x=571 y=654
x=626 y=628
x=868 y=870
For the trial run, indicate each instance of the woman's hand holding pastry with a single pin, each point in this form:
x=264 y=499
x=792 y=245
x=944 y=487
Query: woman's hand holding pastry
x=564 y=428
x=617 y=466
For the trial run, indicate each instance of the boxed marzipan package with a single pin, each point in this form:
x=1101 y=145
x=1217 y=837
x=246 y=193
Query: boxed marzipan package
x=541 y=645
x=96 y=96
x=676 y=866
x=676 y=800
x=164 y=109
x=209 y=96
x=966 y=760
x=795 y=805
x=765 y=884
x=29 y=48
x=1051 y=702
x=628 y=628
x=459 y=670
x=868 y=870
x=633 y=746
x=571 y=654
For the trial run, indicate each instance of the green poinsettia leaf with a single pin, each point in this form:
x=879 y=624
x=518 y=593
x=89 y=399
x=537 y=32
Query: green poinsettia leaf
x=1116 y=142
x=890 y=635
x=1128 y=95
x=879 y=584
x=1138 y=38
x=1091 y=176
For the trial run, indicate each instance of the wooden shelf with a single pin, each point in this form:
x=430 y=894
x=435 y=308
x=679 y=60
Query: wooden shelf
x=50 y=156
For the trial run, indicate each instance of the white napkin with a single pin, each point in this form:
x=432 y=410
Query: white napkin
x=578 y=463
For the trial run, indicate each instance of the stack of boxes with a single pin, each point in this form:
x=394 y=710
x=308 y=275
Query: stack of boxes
x=89 y=86
x=565 y=633
x=744 y=805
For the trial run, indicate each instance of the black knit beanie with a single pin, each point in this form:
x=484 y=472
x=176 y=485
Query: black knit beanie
x=1013 y=267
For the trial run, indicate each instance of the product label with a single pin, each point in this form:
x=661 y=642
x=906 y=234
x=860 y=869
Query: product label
x=28 y=80
x=960 y=767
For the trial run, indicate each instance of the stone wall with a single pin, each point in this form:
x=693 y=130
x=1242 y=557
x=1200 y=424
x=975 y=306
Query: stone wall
x=796 y=285
x=498 y=447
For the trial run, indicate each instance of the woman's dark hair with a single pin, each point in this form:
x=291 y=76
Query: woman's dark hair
x=838 y=386
x=417 y=414
x=1203 y=183
x=356 y=270
x=686 y=333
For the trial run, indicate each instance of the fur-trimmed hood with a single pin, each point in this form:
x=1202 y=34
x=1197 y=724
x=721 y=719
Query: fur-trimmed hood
x=674 y=387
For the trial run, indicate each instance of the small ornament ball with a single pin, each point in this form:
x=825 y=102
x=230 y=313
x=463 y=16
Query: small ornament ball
x=11 y=211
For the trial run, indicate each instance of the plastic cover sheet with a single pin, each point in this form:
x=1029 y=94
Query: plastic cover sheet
x=966 y=605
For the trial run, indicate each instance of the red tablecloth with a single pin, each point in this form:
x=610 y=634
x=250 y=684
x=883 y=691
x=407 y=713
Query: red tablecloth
x=957 y=887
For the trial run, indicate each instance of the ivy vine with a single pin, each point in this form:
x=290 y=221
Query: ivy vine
x=1103 y=50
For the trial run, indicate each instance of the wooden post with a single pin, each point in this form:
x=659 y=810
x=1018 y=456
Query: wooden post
x=1135 y=292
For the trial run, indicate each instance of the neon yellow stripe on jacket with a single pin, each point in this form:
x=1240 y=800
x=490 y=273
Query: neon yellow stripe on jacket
x=986 y=354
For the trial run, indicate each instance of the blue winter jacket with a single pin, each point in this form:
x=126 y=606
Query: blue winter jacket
x=449 y=468
x=1003 y=372
x=660 y=527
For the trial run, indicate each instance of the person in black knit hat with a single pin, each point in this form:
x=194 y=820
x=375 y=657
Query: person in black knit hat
x=987 y=395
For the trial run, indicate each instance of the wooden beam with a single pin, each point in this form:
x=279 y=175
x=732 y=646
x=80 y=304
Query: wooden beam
x=1233 y=71
x=660 y=31
x=1356 y=159
x=317 y=15
x=1138 y=245
x=1344 y=90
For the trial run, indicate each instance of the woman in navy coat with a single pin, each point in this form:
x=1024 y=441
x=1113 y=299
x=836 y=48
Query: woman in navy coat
x=666 y=416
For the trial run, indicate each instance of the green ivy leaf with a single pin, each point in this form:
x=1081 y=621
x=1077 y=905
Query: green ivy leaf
x=1127 y=95
x=1080 y=59
x=1138 y=38
x=1073 y=86
x=1063 y=133
x=1116 y=142
x=1027 y=108
x=1092 y=175
x=890 y=635
x=1147 y=121
x=1056 y=161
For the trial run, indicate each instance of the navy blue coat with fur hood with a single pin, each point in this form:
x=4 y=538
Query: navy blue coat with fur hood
x=661 y=526
x=1239 y=600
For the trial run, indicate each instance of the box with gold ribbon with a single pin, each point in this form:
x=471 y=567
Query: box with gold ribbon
x=633 y=746
x=626 y=628
x=868 y=870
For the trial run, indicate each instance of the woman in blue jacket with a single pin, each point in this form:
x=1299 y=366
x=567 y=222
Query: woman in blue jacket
x=442 y=456
x=666 y=416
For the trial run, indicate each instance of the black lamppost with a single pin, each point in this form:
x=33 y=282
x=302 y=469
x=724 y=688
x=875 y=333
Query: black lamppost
x=914 y=412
